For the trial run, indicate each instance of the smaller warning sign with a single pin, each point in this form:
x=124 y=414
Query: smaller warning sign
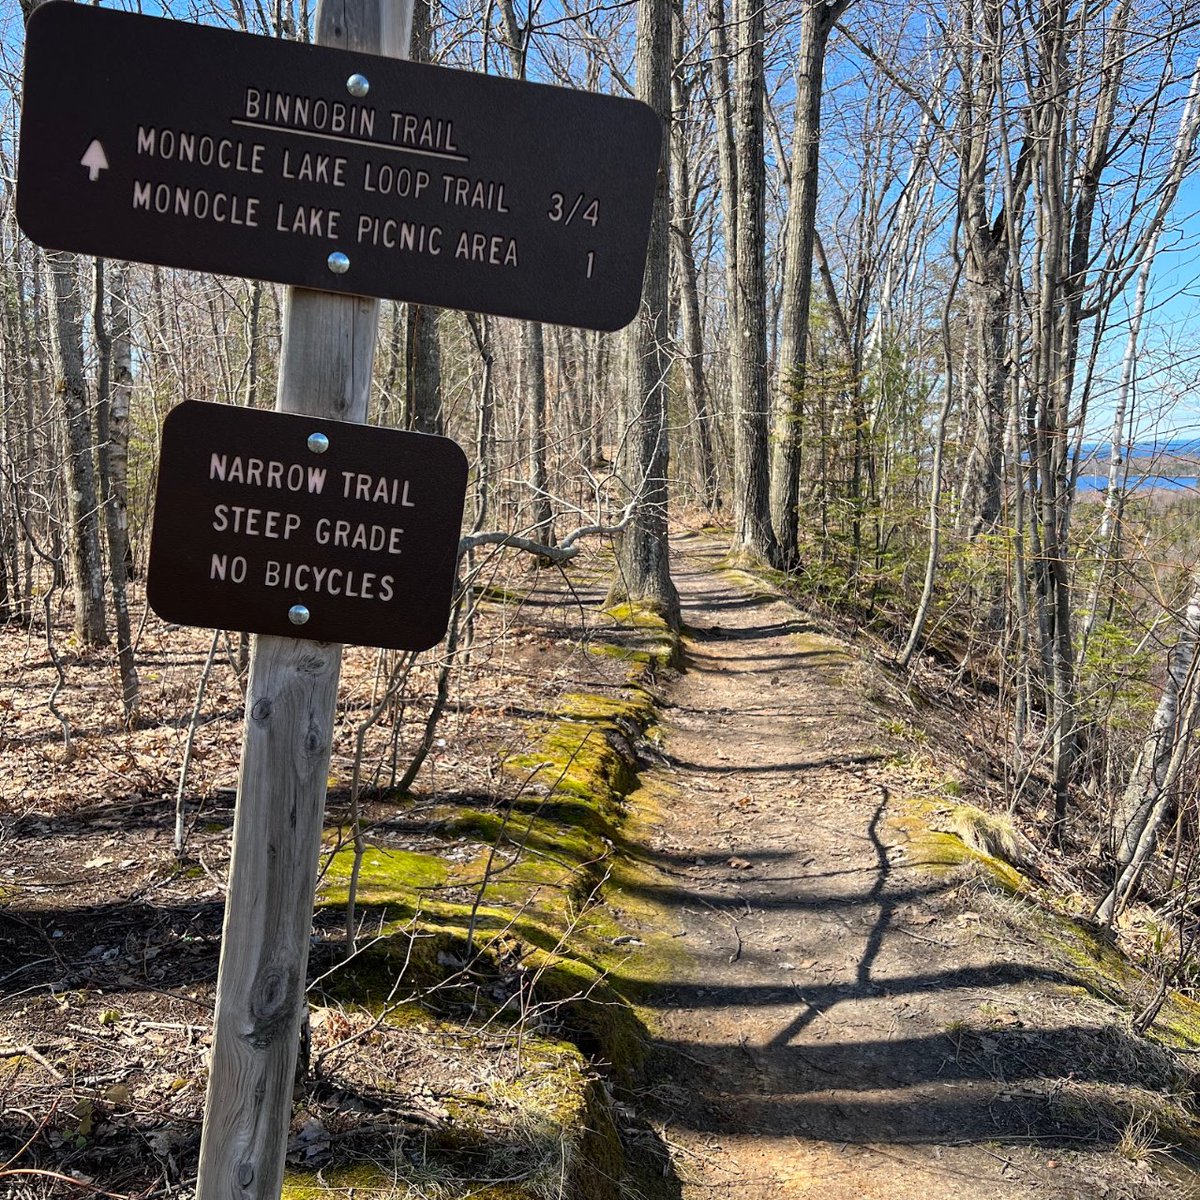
x=272 y=523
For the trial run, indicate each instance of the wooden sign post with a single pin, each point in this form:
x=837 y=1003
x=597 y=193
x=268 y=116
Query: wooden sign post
x=325 y=371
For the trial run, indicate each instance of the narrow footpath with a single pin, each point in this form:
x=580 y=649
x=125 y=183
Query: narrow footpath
x=850 y=1026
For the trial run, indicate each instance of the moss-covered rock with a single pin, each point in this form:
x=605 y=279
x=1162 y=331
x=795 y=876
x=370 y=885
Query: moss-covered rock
x=941 y=836
x=528 y=924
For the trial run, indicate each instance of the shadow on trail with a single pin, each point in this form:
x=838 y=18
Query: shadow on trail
x=969 y=1083
x=833 y=760
x=747 y=633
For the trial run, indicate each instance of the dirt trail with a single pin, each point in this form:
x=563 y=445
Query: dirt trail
x=851 y=1027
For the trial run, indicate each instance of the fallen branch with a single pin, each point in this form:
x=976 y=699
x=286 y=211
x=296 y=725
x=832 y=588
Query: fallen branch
x=563 y=551
x=83 y=1183
x=32 y=1052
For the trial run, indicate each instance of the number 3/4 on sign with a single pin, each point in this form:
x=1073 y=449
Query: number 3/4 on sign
x=559 y=212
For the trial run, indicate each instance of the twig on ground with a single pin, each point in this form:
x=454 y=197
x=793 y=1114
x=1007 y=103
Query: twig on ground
x=31 y=1051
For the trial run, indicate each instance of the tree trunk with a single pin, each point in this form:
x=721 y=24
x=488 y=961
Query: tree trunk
x=423 y=361
x=1139 y=815
x=683 y=205
x=816 y=22
x=423 y=370
x=120 y=397
x=533 y=346
x=83 y=509
x=1109 y=536
x=726 y=154
x=533 y=391
x=112 y=517
x=643 y=552
x=986 y=278
x=748 y=332
x=250 y=399
x=481 y=330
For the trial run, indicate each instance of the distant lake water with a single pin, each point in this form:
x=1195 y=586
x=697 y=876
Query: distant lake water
x=1143 y=483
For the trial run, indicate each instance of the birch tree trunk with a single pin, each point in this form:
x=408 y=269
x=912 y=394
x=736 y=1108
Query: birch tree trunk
x=1138 y=816
x=83 y=508
x=533 y=390
x=1109 y=536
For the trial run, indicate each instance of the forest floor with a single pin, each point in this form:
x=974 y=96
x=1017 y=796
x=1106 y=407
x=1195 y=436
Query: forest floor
x=837 y=995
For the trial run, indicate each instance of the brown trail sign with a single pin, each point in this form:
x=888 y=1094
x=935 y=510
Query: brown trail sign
x=272 y=523
x=196 y=147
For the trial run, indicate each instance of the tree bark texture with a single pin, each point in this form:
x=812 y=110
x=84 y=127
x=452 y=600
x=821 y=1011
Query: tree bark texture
x=748 y=331
x=112 y=517
x=83 y=508
x=533 y=345
x=643 y=552
x=1139 y=815
x=423 y=370
x=423 y=363
x=683 y=224
x=816 y=22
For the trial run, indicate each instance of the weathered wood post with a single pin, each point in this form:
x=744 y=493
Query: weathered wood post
x=325 y=371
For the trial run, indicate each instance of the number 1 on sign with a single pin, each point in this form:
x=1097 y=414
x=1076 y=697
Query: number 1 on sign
x=591 y=262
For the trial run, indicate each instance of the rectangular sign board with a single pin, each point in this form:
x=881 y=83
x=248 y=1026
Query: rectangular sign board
x=189 y=146
x=256 y=515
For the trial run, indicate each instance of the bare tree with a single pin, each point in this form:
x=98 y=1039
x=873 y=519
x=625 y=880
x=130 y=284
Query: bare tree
x=66 y=340
x=747 y=329
x=817 y=19
x=643 y=553
x=1138 y=817
x=112 y=515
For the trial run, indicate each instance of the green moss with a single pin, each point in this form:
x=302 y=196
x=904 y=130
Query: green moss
x=1089 y=951
x=1178 y=1022
x=500 y=595
x=640 y=616
x=635 y=707
x=542 y=909
x=362 y=1182
x=577 y=758
x=385 y=876
x=937 y=837
x=643 y=638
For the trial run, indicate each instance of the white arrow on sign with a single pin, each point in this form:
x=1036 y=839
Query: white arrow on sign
x=95 y=160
